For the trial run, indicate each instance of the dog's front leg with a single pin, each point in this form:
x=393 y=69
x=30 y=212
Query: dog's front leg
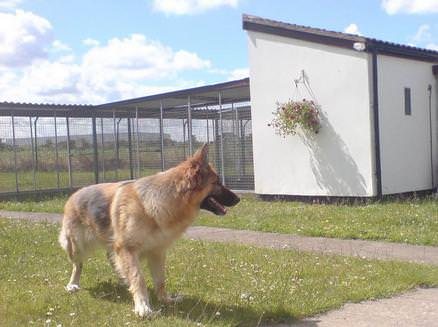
x=156 y=260
x=128 y=266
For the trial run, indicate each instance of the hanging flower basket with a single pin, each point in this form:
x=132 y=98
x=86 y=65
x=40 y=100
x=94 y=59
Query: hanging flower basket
x=293 y=114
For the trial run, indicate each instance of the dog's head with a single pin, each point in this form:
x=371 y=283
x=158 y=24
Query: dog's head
x=213 y=196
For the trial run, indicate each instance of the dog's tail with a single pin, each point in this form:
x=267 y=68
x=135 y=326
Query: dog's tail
x=65 y=241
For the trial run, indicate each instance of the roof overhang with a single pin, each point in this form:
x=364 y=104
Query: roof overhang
x=174 y=103
x=230 y=92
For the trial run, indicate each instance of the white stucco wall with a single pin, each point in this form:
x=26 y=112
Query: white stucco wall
x=336 y=162
x=405 y=140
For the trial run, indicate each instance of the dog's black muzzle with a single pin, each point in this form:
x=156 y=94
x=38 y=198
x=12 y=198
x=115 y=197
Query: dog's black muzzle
x=220 y=198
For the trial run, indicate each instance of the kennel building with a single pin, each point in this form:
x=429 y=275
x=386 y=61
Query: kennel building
x=47 y=148
x=378 y=110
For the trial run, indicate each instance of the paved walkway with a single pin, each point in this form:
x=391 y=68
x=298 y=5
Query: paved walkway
x=359 y=248
x=416 y=308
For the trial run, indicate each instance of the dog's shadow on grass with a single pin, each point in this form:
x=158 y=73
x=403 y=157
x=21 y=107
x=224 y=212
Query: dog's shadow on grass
x=196 y=309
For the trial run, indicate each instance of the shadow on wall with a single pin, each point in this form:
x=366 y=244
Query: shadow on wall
x=334 y=168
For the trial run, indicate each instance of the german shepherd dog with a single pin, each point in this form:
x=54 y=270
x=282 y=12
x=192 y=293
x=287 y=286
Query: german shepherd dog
x=141 y=218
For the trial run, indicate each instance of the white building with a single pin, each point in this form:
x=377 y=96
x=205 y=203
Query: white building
x=378 y=103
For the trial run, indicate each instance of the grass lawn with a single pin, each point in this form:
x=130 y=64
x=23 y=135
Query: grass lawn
x=407 y=221
x=48 y=179
x=222 y=285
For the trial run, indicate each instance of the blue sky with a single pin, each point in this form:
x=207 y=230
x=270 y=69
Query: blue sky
x=98 y=51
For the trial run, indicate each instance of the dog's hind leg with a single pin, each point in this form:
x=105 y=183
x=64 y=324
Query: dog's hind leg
x=74 y=248
x=128 y=266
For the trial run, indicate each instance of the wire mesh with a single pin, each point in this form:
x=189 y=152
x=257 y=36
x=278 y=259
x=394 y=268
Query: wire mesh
x=59 y=150
x=148 y=152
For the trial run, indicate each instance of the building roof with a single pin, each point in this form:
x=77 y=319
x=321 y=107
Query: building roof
x=41 y=109
x=344 y=40
x=149 y=106
x=232 y=91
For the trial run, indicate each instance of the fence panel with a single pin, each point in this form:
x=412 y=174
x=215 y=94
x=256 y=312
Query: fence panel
x=8 y=177
x=57 y=151
x=81 y=151
x=175 y=129
x=148 y=153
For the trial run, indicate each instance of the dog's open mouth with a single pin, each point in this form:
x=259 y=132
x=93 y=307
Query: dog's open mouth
x=213 y=205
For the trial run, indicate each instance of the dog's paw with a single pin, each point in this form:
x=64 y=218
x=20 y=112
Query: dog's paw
x=71 y=288
x=172 y=299
x=142 y=310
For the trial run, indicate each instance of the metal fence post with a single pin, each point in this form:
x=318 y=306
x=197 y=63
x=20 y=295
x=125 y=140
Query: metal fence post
x=216 y=143
x=70 y=173
x=131 y=168
x=236 y=138
x=33 y=154
x=102 y=142
x=15 y=153
x=242 y=131
x=222 y=139
x=56 y=152
x=95 y=153
x=189 y=129
x=208 y=132
x=116 y=172
x=118 y=147
x=36 y=142
x=138 y=142
x=184 y=138
x=162 y=135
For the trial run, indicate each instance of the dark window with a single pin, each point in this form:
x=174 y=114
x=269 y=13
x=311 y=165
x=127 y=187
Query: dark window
x=408 y=110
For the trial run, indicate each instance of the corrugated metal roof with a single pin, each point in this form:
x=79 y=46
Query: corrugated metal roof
x=231 y=92
x=346 y=40
x=45 y=105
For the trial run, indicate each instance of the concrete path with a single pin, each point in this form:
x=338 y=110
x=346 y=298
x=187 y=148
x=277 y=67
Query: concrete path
x=359 y=248
x=416 y=308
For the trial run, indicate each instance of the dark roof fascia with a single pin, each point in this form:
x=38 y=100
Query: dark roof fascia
x=399 y=51
x=44 y=106
x=44 y=110
x=300 y=35
x=344 y=40
x=181 y=93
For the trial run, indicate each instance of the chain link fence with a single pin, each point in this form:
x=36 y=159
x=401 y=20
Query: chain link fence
x=61 y=149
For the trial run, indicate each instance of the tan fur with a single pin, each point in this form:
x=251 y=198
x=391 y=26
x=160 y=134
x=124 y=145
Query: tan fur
x=136 y=219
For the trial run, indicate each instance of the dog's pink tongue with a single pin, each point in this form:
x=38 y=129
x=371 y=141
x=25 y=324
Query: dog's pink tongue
x=220 y=206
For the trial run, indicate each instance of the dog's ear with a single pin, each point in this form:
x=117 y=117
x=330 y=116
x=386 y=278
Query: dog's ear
x=201 y=155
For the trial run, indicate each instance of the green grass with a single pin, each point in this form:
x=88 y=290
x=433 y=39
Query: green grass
x=222 y=285
x=412 y=221
x=48 y=180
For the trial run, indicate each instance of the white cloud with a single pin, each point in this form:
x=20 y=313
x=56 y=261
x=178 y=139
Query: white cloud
x=59 y=46
x=423 y=33
x=352 y=29
x=184 y=7
x=121 y=68
x=393 y=7
x=432 y=46
x=9 y=4
x=238 y=73
x=91 y=42
x=24 y=37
